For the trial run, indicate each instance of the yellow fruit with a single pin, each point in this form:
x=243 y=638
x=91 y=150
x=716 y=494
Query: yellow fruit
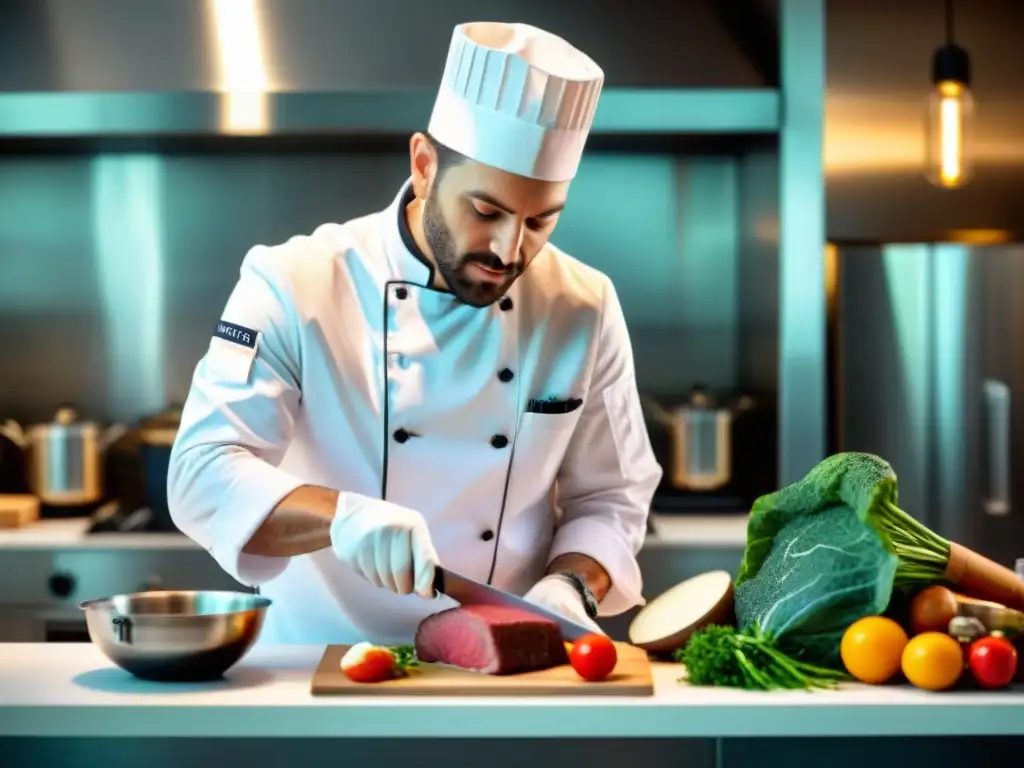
x=872 y=649
x=933 y=661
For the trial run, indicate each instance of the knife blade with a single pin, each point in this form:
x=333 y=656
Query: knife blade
x=467 y=591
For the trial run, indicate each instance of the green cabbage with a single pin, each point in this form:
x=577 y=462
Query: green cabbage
x=866 y=485
x=823 y=572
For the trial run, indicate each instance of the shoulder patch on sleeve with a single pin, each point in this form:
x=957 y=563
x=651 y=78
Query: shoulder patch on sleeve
x=232 y=352
x=237 y=334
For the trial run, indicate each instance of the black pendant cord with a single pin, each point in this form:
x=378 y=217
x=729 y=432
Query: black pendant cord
x=950 y=62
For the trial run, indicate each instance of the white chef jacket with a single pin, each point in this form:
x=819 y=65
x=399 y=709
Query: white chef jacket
x=336 y=364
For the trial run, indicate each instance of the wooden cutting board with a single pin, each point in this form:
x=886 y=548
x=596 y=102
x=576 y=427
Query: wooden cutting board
x=632 y=677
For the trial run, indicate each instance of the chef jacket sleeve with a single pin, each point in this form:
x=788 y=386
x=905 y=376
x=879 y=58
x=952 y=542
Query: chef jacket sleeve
x=609 y=475
x=223 y=479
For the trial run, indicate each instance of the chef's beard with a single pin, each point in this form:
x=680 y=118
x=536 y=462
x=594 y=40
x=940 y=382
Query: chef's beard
x=452 y=266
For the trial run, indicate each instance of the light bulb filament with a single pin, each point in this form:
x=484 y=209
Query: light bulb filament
x=950 y=132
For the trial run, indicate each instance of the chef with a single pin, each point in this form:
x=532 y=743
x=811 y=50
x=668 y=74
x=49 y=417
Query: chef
x=433 y=383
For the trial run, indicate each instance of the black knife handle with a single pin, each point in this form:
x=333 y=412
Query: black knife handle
x=438 y=581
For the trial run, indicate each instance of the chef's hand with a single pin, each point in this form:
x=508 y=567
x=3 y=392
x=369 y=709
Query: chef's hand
x=558 y=595
x=387 y=544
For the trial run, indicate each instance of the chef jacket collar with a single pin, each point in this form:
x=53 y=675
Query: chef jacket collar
x=409 y=261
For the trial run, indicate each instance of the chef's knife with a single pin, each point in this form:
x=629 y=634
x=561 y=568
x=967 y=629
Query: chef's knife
x=467 y=591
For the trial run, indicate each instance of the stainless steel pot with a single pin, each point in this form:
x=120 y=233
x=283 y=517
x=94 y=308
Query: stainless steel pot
x=176 y=636
x=701 y=435
x=65 y=459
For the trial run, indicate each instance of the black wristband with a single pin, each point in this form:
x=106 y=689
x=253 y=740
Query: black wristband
x=586 y=596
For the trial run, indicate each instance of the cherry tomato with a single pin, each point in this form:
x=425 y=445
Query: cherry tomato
x=993 y=661
x=593 y=657
x=366 y=663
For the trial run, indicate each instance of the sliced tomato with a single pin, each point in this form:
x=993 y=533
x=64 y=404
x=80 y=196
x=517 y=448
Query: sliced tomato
x=367 y=663
x=593 y=657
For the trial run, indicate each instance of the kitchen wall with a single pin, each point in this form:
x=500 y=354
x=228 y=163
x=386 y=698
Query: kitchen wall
x=115 y=266
x=879 y=66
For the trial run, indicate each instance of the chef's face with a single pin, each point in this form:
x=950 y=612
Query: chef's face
x=484 y=226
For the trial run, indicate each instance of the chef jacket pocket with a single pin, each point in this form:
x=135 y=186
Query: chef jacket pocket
x=541 y=444
x=548 y=422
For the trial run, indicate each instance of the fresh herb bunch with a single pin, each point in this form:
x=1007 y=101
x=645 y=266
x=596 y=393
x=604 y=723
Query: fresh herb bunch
x=723 y=656
x=405 y=658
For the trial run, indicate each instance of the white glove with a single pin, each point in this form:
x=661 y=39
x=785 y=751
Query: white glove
x=387 y=544
x=558 y=595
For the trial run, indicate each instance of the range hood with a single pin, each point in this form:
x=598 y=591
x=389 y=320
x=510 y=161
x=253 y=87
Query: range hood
x=100 y=68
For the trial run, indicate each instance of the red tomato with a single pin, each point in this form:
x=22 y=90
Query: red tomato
x=993 y=661
x=593 y=657
x=365 y=663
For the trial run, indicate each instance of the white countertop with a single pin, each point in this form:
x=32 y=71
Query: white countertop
x=73 y=534
x=725 y=530
x=72 y=690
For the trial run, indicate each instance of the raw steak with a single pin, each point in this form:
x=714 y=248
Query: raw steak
x=495 y=640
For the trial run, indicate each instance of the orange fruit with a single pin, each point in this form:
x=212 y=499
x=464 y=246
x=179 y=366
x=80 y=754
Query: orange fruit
x=872 y=649
x=933 y=661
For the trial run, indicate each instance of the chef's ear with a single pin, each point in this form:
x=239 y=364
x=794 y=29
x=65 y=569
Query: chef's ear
x=423 y=160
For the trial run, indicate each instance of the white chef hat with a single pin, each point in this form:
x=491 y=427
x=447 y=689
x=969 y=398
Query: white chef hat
x=517 y=98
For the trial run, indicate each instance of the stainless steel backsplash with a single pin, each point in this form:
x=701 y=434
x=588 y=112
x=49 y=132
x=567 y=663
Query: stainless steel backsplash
x=114 y=267
x=338 y=45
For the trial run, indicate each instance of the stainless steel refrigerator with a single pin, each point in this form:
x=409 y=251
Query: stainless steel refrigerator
x=926 y=350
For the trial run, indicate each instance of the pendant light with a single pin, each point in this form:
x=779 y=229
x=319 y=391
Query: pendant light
x=950 y=114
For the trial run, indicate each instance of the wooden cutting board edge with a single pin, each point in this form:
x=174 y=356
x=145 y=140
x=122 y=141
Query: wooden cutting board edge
x=328 y=680
x=18 y=510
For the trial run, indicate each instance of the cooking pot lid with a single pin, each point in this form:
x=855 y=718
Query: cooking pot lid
x=65 y=418
x=66 y=415
x=168 y=417
x=159 y=436
x=700 y=398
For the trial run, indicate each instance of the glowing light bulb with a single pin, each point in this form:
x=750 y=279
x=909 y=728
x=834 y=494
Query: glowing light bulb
x=950 y=120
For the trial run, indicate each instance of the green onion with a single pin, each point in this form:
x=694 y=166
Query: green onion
x=923 y=554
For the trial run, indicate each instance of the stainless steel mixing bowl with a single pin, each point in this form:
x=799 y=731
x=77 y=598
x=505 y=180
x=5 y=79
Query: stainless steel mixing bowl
x=176 y=636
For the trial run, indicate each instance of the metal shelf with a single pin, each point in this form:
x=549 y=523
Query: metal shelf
x=638 y=112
